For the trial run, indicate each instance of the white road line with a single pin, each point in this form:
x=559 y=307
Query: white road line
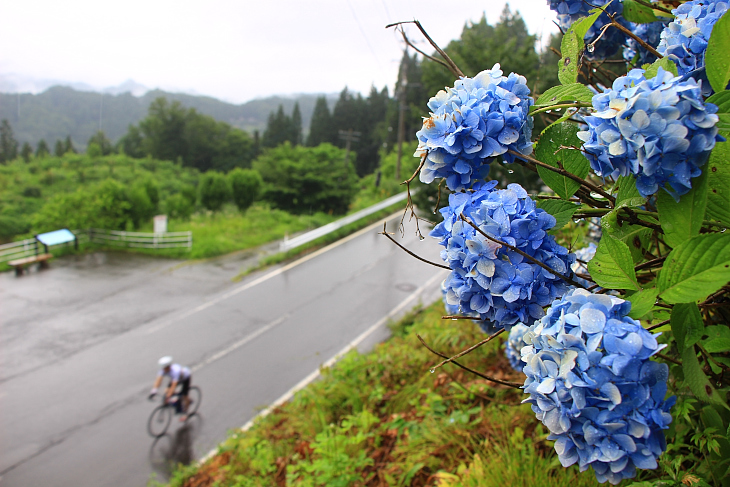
x=265 y=277
x=239 y=343
x=354 y=343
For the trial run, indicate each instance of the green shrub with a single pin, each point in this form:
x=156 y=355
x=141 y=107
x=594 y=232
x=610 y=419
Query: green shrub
x=214 y=190
x=245 y=185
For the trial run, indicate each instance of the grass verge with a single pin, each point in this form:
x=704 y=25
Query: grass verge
x=383 y=419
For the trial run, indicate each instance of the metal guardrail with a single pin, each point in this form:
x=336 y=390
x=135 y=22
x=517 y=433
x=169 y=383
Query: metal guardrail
x=290 y=243
x=30 y=246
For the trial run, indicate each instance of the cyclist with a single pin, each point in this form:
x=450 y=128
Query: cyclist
x=178 y=375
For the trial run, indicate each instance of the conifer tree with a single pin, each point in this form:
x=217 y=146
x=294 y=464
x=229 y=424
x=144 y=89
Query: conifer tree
x=26 y=152
x=8 y=144
x=321 y=129
x=68 y=146
x=58 y=150
x=296 y=126
x=42 y=149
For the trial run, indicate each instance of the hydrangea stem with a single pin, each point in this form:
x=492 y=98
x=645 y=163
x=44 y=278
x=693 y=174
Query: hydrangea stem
x=411 y=253
x=468 y=350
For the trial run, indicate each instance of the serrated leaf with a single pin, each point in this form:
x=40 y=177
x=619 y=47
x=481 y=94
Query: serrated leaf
x=687 y=325
x=566 y=115
x=696 y=379
x=722 y=100
x=652 y=69
x=695 y=269
x=636 y=237
x=548 y=150
x=562 y=211
x=642 y=302
x=682 y=220
x=718 y=182
x=571 y=47
x=564 y=93
x=628 y=193
x=717 y=55
x=638 y=13
x=717 y=345
x=613 y=267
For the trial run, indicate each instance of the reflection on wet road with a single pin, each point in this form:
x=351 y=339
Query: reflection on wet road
x=79 y=345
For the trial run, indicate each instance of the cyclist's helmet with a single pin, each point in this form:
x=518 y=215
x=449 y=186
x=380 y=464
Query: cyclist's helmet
x=165 y=361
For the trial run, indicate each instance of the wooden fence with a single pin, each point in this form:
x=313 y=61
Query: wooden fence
x=30 y=246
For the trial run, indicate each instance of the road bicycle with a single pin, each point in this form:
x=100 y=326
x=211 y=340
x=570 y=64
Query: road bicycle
x=162 y=415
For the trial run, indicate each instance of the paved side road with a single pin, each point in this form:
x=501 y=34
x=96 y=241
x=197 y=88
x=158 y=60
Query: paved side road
x=80 y=343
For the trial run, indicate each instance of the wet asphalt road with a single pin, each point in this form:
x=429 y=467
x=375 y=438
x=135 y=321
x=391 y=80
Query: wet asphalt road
x=79 y=344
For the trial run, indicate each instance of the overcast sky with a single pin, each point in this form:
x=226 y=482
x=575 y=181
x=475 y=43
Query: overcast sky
x=232 y=50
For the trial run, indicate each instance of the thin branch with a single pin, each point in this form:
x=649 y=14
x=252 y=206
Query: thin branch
x=523 y=254
x=668 y=358
x=567 y=174
x=411 y=253
x=427 y=56
x=469 y=350
x=638 y=39
x=650 y=263
x=452 y=65
x=658 y=325
x=460 y=317
x=420 y=166
x=516 y=385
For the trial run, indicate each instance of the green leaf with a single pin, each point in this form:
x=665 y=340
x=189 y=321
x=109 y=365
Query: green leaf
x=612 y=267
x=718 y=182
x=717 y=55
x=696 y=379
x=562 y=211
x=653 y=68
x=628 y=193
x=718 y=339
x=642 y=302
x=571 y=47
x=695 y=269
x=549 y=151
x=722 y=100
x=636 y=237
x=564 y=93
x=638 y=13
x=687 y=325
x=682 y=220
x=566 y=115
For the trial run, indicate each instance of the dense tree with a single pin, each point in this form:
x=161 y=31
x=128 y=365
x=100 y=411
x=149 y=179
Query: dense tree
x=278 y=129
x=245 y=185
x=296 y=126
x=307 y=179
x=214 y=190
x=131 y=143
x=58 y=149
x=68 y=146
x=102 y=142
x=26 y=152
x=163 y=130
x=42 y=149
x=481 y=46
x=8 y=144
x=320 y=128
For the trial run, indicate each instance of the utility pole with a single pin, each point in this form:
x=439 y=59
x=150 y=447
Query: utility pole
x=349 y=136
x=402 y=83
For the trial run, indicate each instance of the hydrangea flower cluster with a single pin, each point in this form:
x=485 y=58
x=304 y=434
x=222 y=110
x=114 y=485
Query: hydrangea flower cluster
x=649 y=33
x=657 y=129
x=477 y=120
x=571 y=10
x=684 y=40
x=513 y=346
x=489 y=280
x=592 y=384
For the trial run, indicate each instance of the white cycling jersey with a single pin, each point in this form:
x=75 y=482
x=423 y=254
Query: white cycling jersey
x=176 y=373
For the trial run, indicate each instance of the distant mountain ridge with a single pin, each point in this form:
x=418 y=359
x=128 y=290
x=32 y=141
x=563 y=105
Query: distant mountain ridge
x=60 y=111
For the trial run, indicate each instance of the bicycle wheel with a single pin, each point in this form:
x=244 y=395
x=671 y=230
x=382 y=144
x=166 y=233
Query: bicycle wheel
x=195 y=397
x=159 y=421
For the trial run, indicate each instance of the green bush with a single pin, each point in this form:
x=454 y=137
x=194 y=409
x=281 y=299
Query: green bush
x=214 y=190
x=307 y=179
x=178 y=206
x=245 y=185
x=11 y=226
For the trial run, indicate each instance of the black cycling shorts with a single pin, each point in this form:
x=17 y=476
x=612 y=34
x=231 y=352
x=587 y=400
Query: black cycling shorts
x=185 y=384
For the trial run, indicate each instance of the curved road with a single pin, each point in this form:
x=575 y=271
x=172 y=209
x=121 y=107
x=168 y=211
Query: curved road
x=79 y=345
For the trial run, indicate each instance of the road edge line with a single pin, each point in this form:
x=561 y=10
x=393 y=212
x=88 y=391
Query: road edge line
x=313 y=375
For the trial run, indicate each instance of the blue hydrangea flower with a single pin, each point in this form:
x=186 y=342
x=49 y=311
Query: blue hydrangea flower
x=513 y=346
x=658 y=129
x=477 y=120
x=684 y=40
x=489 y=280
x=649 y=33
x=593 y=385
x=571 y=10
x=584 y=255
